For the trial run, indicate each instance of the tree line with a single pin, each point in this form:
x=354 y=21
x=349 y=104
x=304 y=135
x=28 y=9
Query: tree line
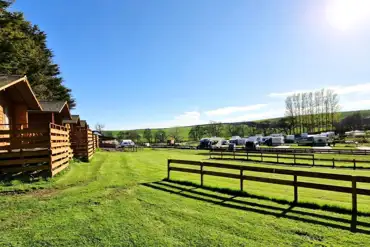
x=23 y=51
x=149 y=135
x=312 y=111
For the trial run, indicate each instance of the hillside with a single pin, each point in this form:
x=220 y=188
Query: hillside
x=184 y=130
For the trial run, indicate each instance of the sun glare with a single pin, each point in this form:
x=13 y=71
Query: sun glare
x=345 y=14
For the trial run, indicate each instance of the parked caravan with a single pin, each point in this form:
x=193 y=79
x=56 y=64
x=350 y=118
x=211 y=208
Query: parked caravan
x=220 y=144
x=235 y=140
x=275 y=141
x=316 y=140
x=290 y=139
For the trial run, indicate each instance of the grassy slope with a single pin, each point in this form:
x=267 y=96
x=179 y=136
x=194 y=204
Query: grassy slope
x=184 y=130
x=119 y=199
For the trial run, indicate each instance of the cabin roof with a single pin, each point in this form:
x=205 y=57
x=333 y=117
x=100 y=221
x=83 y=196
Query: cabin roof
x=75 y=119
x=52 y=106
x=8 y=79
x=55 y=106
x=83 y=123
x=19 y=90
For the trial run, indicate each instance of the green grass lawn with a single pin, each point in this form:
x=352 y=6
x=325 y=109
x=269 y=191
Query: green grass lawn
x=119 y=199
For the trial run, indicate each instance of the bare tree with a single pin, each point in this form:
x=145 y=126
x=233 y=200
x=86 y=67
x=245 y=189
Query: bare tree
x=312 y=111
x=297 y=107
x=317 y=110
x=289 y=111
x=99 y=127
x=333 y=101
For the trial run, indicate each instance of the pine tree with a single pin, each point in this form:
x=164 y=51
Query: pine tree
x=23 y=51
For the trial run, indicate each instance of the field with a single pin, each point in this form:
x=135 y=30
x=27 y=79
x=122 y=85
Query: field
x=120 y=199
x=184 y=130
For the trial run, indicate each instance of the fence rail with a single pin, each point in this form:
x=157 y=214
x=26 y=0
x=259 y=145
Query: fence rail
x=35 y=149
x=353 y=180
x=320 y=151
x=293 y=158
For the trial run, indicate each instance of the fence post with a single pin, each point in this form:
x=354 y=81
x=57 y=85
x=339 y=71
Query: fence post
x=294 y=159
x=354 y=205
x=261 y=157
x=313 y=160
x=210 y=154
x=50 y=171
x=234 y=154
x=247 y=156
x=241 y=178
x=277 y=158
x=201 y=174
x=354 y=164
x=168 y=169
x=333 y=163
x=295 y=189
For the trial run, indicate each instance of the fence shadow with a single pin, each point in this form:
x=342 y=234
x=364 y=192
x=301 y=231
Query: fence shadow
x=25 y=177
x=231 y=200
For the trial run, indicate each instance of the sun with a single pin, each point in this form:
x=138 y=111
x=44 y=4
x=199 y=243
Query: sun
x=346 y=14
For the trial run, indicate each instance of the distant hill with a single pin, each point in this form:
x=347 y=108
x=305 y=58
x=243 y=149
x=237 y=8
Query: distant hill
x=184 y=130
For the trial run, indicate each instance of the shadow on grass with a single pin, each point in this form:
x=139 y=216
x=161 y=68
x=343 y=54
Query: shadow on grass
x=205 y=194
x=25 y=177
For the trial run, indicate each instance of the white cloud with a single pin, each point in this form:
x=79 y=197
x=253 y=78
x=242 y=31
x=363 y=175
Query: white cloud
x=286 y=94
x=353 y=105
x=271 y=113
x=184 y=119
x=358 y=88
x=363 y=88
x=187 y=118
x=232 y=109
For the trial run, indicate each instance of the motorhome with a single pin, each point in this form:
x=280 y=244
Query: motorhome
x=235 y=139
x=355 y=133
x=256 y=139
x=313 y=140
x=206 y=143
x=127 y=143
x=275 y=141
x=220 y=144
x=290 y=139
x=276 y=135
x=242 y=141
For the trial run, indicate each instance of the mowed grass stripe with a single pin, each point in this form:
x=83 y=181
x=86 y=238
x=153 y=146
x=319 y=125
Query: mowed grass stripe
x=120 y=199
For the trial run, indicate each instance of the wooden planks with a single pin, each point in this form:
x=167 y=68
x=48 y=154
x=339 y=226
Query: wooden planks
x=82 y=143
x=60 y=148
x=47 y=149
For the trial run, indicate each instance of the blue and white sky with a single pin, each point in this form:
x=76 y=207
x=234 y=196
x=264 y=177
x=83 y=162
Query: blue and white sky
x=162 y=63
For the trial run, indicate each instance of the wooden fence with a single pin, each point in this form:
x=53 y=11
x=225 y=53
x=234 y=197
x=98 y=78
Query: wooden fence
x=60 y=148
x=82 y=143
x=316 y=150
x=353 y=180
x=96 y=142
x=289 y=158
x=29 y=149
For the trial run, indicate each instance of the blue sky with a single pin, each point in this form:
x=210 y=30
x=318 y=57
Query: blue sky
x=136 y=64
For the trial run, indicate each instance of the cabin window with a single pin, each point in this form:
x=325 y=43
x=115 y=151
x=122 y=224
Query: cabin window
x=6 y=115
